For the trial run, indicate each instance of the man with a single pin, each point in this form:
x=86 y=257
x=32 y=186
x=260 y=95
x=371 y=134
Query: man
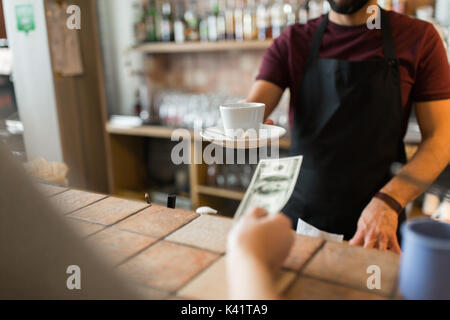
x=352 y=89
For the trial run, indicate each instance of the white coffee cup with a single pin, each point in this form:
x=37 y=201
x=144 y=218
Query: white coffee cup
x=242 y=116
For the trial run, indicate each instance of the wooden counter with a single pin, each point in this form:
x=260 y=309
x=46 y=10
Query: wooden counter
x=173 y=254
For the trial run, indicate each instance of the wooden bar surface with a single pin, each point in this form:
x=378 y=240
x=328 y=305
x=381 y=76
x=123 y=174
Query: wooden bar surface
x=177 y=254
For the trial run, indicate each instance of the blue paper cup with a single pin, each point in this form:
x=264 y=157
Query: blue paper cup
x=425 y=262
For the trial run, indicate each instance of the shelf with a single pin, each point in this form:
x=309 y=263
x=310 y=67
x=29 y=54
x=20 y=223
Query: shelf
x=142 y=131
x=162 y=132
x=172 y=47
x=221 y=193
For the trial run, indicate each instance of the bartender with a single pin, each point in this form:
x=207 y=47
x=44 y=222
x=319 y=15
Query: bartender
x=352 y=88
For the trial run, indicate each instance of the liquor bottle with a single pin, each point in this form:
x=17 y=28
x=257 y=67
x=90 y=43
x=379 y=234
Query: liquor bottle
x=158 y=20
x=203 y=25
x=229 y=19
x=289 y=13
x=314 y=9
x=325 y=7
x=277 y=18
x=239 y=20
x=179 y=26
x=150 y=22
x=139 y=23
x=221 y=21
x=249 y=21
x=303 y=13
x=211 y=175
x=263 y=20
x=167 y=22
x=385 y=4
x=192 y=22
x=399 y=6
x=212 y=20
x=137 y=108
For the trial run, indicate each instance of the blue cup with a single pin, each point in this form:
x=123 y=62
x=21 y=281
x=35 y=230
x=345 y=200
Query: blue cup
x=425 y=262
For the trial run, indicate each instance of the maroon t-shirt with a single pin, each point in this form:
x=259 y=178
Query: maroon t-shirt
x=424 y=67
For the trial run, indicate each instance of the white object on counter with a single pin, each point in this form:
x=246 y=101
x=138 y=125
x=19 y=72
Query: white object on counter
x=206 y=210
x=431 y=203
x=305 y=229
x=443 y=212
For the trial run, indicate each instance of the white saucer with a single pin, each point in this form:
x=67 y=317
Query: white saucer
x=266 y=135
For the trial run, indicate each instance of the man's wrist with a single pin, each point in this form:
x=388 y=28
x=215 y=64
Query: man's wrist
x=390 y=201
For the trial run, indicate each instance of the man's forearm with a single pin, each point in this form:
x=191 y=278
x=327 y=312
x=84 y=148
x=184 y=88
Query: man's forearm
x=430 y=160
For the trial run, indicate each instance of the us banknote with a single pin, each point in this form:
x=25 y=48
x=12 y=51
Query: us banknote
x=271 y=186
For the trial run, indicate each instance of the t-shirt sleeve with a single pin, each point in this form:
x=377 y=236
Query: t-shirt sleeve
x=274 y=67
x=433 y=70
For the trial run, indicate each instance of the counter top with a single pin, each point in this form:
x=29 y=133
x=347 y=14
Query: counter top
x=177 y=254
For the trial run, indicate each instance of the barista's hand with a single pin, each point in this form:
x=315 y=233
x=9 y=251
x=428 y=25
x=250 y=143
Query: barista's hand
x=377 y=228
x=265 y=239
x=269 y=122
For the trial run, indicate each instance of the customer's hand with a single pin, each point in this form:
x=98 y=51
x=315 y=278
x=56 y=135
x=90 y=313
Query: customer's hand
x=267 y=239
x=377 y=228
x=269 y=122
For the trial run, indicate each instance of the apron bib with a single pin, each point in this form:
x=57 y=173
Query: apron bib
x=348 y=127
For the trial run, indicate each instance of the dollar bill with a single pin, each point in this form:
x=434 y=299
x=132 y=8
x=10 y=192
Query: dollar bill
x=271 y=186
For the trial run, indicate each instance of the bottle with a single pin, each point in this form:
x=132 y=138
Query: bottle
x=211 y=176
x=325 y=7
x=221 y=21
x=385 y=4
x=179 y=27
x=303 y=13
x=167 y=22
x=314 y=9
x=229 y=19
x=232 y=177
x=158 y=20
x=239 y=20
x=150 y=23
x=277 y=18
x=203 y=27
x=289 y=13
x=212 y=21
x=137 y=103
x=263 y=20
x=192 y=22
x=139 y=23
x=399 y=6
x=249 y=21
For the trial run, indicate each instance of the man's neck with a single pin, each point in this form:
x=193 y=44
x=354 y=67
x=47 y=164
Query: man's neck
x=358 y=18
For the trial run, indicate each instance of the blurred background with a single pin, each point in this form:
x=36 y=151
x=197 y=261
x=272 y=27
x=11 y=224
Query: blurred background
x=95 y=107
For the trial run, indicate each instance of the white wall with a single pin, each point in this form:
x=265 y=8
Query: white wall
x=33 y=83
x=117 y=37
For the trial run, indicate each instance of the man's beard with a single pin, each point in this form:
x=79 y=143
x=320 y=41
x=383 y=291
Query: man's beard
x=348 y=6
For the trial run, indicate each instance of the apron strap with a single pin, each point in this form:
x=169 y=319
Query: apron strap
x=317 y=40
x=388 y=41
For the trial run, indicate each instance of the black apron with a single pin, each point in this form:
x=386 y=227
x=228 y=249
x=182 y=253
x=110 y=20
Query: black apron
x=348 y=126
